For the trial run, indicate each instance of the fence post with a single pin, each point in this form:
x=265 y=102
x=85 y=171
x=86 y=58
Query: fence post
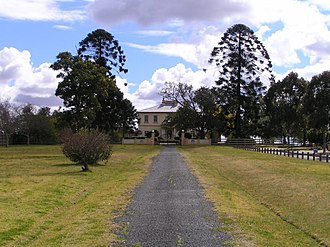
x=307 y=155
x=297 y=154
x=327 y=158
x=320 y=157
x=313 y=156
x=302 y=155
x=292 y=154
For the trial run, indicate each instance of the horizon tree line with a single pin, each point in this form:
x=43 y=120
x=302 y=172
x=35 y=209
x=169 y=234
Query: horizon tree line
x=238 y=106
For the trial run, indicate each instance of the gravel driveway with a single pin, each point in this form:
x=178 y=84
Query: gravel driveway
x=169 y=208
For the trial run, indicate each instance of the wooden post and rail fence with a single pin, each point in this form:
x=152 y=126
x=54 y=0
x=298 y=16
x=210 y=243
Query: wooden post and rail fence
x=257 y=146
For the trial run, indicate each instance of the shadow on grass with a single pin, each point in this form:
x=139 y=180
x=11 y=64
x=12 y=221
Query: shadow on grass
x=76 y=172
x=66 y=165
x=77 y=165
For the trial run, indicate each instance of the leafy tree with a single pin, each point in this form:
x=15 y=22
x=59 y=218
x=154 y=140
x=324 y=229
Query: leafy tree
x=317 y=104
x=116 y=112
x=91 y=98
x=25 y=119
x=284 y=101
x=198 y=109
x=101 y=47
x=178 y=92
x=83 y=82
x=243 y=64
x=8 y=119
x=37 y=125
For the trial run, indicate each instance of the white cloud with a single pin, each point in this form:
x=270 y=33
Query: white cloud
x=293 y=25
x=23 y=83
x=62 y=27
x=196 y=51
x=147 y=93
x=13 y=64
x=148 y=12
x=154 y=32
x=325 y=5
x=309 y=71
x=37 y=10
x=295 y=33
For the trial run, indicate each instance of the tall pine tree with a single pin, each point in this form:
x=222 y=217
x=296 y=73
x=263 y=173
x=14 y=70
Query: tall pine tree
x=244 y=65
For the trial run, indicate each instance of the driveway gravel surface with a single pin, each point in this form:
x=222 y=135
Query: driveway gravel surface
x=169 y=208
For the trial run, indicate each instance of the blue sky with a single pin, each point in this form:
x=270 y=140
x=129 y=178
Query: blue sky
x=163 y=40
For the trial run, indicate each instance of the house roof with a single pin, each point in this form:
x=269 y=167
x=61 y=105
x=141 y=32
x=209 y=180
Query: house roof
x=164 y=107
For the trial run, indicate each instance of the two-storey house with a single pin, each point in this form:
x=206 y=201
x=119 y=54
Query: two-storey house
x=153 y=118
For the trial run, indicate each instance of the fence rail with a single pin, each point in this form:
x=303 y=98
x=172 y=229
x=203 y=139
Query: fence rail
x=290 y=153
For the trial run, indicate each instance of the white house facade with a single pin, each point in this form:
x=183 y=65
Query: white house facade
x=154 y=118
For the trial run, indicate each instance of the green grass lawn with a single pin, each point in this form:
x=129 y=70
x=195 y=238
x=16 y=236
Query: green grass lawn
x=46 y=201
x=265 y=200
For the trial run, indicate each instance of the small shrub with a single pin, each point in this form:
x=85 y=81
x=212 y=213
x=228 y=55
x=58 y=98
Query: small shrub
x=86 y=147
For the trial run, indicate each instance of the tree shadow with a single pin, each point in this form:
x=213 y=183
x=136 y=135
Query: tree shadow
x=66 y=165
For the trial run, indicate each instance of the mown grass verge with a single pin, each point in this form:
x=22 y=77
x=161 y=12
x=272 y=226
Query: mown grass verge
x=46 y=201
x=265 y=200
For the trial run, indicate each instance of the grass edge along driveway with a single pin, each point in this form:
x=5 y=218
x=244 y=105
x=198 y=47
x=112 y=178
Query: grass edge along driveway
x=265 y=200
x=46 y=201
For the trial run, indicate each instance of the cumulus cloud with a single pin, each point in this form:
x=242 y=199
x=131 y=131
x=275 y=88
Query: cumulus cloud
x=23 y=83
x=196 y=50
x=156 y=33
x=309 y=71
x=38 y=10
x=294 y=26
x=147 y=93
x=148 y=12
x=292 y=39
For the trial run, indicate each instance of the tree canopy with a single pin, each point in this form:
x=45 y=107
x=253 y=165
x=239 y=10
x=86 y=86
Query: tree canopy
x=88 y=87
x=243 y=64
x=317 y=104
x=198 y=109
x=102 y=48
x=284 y=101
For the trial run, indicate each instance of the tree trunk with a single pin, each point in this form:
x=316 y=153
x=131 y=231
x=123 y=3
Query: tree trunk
x=7 y=140
x=324 y=140
x=238 y=94
x=85 y=168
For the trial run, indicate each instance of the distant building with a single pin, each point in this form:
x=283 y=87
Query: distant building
x=153 y=118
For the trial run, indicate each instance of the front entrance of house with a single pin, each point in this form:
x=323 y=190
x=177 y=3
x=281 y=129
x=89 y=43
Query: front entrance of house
x=167 y=134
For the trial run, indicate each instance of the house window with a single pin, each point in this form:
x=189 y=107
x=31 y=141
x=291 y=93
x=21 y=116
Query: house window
x=146 y=118
x=155 y=119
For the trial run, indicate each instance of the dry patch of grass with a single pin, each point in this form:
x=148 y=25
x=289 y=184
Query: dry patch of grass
x=46 y=201
x=266 y=200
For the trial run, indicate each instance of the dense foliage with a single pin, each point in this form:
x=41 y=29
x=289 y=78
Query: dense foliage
x=317 y=105
x=283 y=106
x=102 y=48
x=243 y=64
x=199 y=110
x=88 y=87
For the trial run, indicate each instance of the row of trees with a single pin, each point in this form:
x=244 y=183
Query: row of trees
x=35 y=126
x=239 y=105
x=292 y=107
x=91 y=97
